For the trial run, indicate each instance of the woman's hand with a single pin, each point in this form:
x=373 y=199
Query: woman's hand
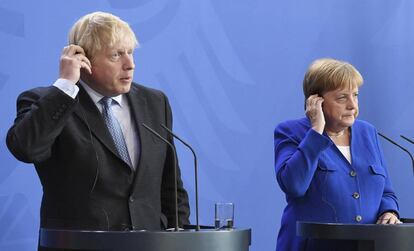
x=314 y=112
x=388 y=218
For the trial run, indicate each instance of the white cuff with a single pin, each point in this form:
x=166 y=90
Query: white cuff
x=67 y=87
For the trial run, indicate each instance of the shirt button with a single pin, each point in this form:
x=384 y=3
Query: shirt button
x=358 y=218
x=352 y=173
x=355 y=195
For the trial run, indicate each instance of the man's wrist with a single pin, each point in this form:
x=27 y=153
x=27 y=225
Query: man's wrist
x=67 y=86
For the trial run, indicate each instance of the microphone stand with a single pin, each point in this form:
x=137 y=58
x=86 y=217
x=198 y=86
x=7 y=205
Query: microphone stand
x=399 y=146
x=195 y=171
x=175 y=171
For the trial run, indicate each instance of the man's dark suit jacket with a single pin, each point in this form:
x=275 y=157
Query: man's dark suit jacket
x=86 y=185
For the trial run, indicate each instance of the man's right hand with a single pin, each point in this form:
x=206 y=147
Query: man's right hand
x=315 y=113
x=73 y=59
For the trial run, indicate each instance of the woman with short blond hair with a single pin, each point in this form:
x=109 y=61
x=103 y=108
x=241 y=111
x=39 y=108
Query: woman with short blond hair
x=329 y=164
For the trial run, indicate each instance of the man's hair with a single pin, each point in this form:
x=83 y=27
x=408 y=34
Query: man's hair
x=99 y=30
x=327 y=74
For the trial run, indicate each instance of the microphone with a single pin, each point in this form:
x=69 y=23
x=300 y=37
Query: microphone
x=409 y=140
x=195 y=171
x=401 y=147
x=175 y=170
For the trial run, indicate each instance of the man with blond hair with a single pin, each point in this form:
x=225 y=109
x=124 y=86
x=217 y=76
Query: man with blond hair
x=99 y=168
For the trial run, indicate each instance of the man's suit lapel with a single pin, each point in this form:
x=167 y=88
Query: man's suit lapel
x=89 y=113
x=138 y=106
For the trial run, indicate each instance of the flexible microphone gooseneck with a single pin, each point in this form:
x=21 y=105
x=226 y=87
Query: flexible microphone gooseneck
x=409 y=140
x=175 y=170
x=195 y=171
x=401 y=147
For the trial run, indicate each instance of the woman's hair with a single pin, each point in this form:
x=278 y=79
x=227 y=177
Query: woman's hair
x=99 y=30
x=327 y=74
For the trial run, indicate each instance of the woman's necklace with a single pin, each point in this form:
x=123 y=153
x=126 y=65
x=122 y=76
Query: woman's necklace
x=336 y=135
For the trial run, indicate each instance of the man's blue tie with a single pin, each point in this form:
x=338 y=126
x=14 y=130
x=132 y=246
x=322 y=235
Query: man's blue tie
x=115 y=129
